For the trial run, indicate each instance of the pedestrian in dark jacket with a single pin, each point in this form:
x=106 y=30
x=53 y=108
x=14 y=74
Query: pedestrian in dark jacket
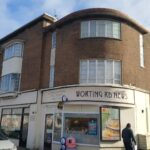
x=128 y=137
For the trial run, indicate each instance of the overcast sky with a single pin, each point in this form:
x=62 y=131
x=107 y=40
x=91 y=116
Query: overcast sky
x=16 y=13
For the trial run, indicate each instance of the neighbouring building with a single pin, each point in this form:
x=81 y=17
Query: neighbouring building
x=86 y=75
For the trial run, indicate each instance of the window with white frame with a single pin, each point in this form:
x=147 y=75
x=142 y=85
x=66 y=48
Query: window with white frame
x=13 y=50
x=100 y=71
x=141 y=50
x=10 y=82
x=100 y=28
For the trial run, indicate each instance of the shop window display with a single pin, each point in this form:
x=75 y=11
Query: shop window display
x=11 y=122
x=110 y=122
x=83 y=127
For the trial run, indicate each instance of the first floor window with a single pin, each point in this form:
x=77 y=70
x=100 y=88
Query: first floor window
x=83 y=127
x=100 y=71
x=10 y=82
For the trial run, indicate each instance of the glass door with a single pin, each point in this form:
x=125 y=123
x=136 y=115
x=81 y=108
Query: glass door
x=48 y=132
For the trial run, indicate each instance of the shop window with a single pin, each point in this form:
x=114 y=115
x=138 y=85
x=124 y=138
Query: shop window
x=100 y=71
x=57 y=126
x=100 y=28
x=13 y=50
x=110 y=124
x=83 y=127
x=10 y=82
x=11 y=122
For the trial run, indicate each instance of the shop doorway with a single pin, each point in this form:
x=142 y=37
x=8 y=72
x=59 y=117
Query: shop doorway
x=24 y=129
x=48 y=132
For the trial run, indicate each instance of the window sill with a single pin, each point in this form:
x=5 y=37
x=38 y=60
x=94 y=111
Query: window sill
x=102 y=38
x=8 y=94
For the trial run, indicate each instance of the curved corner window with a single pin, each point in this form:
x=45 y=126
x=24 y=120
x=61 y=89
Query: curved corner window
x=10 y=82
x=13 y=50
x=100 y=28
x=100 y=71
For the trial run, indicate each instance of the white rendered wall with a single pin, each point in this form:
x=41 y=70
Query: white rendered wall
x=141 y=102
x=32 y=127
x=12 y=65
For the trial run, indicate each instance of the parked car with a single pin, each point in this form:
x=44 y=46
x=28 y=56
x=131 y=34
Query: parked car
x=5 y=143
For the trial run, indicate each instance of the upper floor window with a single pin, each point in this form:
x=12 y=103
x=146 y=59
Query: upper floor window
x=141 y=50
x=100 y=71
x=15 y=49
x=54 y=40
x=10 y=82
x=100 y=28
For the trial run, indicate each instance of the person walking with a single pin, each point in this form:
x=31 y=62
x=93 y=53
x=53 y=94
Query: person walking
x=128 y=137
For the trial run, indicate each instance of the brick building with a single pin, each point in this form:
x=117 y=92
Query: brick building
x=85 y=75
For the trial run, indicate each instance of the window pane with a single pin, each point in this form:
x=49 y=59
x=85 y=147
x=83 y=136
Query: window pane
x=84 y=29
x=14 y=82
x=57 y=127
x=100 y=28
x=18 y=49
x=11 y=125
x=83 y=72
x=54 y=40
x=17 y=111
x=116 y=30
x=82 y=127
x=6 y=111
x=109 y=29
x=93 y=28
x=10 y=82
x=100 y=71
x=117 y=72
x=26 y=111
x=51 y=76
x=92 y=71
x=109 y=71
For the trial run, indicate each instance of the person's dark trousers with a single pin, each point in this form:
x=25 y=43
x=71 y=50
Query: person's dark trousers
x=128 y=146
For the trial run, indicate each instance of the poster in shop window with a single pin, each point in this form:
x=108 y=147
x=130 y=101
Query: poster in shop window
x=110 y=121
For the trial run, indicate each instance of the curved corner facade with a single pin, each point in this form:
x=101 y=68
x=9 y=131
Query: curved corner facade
x=91 y=77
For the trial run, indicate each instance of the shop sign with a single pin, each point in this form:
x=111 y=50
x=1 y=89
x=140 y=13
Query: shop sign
x=107 y=94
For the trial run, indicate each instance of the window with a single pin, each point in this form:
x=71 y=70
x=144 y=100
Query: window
x=100 y=71
x=11 y=122
x=83 y=127
x=10 y=82
x=110 y=124
x=141 y=51
x=100 y=28
x=57 y=126
x=54 y=40
x=15 y=49
x=51 y=84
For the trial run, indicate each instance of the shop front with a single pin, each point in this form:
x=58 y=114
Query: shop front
x=94 y=116
x=18 y=117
